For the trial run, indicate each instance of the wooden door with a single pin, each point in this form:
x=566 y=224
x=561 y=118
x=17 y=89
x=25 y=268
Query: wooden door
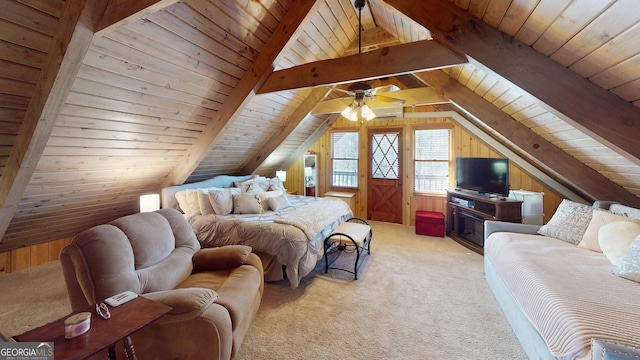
x=384 y=197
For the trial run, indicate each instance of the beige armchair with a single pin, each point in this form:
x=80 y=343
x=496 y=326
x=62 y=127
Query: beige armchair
x=215 y=293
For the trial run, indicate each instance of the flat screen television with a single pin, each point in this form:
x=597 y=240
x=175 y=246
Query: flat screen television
x=484 y=175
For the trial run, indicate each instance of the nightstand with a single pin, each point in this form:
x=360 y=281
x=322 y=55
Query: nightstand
x=348 y=197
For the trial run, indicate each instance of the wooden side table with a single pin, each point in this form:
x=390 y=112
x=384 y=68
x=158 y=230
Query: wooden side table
x=125 y=320
x=348 y=197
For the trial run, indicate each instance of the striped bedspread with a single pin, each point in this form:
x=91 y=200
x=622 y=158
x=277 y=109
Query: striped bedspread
x=568 y=293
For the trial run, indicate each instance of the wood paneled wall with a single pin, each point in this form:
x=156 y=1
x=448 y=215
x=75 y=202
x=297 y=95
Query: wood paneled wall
x=463 y=144
x=26 y=257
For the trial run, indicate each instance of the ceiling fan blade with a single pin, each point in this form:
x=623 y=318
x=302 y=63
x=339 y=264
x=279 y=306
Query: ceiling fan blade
x=418 y=96
x=331 y=106
x=385 y=88
x=389 y=99
x=383 y=104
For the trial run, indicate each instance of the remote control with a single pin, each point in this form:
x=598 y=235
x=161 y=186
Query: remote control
x=121 y=298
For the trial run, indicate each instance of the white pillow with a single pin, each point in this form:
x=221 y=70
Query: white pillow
x=254 y=188
x=599 y=219
x=278 y=202
x=263 y=196
x=276 y=184
x=246 y=204
x=222 y=201
x=181 y=197
x=204 y=203
x=193 y=202
x=615 y=238
x=247 y=182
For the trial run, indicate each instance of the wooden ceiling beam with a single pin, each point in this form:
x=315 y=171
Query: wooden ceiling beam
x=299 y=14
x=119 y=13
x=389 y=61
x=591 y=183
x=292 y=122
x=598 y=113
x=69 y=45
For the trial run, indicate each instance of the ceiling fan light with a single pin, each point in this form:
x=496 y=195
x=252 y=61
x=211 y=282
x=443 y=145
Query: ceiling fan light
x=350 y=114
x=367 y=113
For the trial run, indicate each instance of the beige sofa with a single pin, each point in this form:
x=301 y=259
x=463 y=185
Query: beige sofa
x=215 y=293
x=561 y=294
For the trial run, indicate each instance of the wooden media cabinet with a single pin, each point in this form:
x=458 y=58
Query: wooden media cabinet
x=467 y=211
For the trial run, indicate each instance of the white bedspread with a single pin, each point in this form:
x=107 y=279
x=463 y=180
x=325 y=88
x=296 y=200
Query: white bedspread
x=568 y=293
x=295 y=236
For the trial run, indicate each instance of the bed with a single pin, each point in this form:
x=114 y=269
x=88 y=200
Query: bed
x=286 y=231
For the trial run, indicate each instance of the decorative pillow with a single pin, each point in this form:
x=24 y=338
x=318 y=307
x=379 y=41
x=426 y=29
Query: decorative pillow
x=629 y=266
x=247 y=182
x=246 y=204
x=193 y=202
x=607 y=350
x=204 y=203
x=616 y=237
x=222 y=201
x=569 y=222
x=276 y=184
x=181 y=197
x=265 y=195
x=600 y=218
x=278 y=202
x=255 y=187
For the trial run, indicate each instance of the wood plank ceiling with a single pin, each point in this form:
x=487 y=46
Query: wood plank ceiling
x=168 y=92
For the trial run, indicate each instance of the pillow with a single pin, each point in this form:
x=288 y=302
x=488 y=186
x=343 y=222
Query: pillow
x=278 y=202
x=247 y=182
x=265 y=195
x=181 y=197
x=607 y=350
x=188 y=202
x=222 y=201
x=246 y=204
x=616 y=237
x=193 y=202
x=276 y=184
x=569 y=222
x=629 y=266
x=204 y=205
x=254 y=188
x=600 y=218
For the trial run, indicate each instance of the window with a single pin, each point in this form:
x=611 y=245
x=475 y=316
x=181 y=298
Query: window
x=344 y=159
x=431 y=161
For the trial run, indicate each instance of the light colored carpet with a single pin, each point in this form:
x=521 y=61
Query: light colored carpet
x=416 y=297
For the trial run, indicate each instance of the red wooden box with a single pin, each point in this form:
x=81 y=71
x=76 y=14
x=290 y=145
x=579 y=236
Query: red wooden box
x=429 y=223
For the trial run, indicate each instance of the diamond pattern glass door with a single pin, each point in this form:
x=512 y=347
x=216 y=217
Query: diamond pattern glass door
x=384 y=156
x=384 y=188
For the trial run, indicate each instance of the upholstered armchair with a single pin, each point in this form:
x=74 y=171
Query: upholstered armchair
x=215 y=292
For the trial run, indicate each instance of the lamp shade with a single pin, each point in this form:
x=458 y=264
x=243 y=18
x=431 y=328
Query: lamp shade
x=350 y=114
x=367 y=113
x=282 y=175
x=308 y=171
x=149 y=202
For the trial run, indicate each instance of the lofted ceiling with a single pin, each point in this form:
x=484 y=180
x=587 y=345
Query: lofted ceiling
x=101 y=101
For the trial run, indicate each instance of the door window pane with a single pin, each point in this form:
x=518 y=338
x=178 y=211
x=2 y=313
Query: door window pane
x=384 y=156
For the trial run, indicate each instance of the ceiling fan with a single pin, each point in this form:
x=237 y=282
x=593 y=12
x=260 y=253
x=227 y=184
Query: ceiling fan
x=367 y=103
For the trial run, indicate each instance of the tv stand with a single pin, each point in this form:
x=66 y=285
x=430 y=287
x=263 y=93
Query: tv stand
x=467 y=211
